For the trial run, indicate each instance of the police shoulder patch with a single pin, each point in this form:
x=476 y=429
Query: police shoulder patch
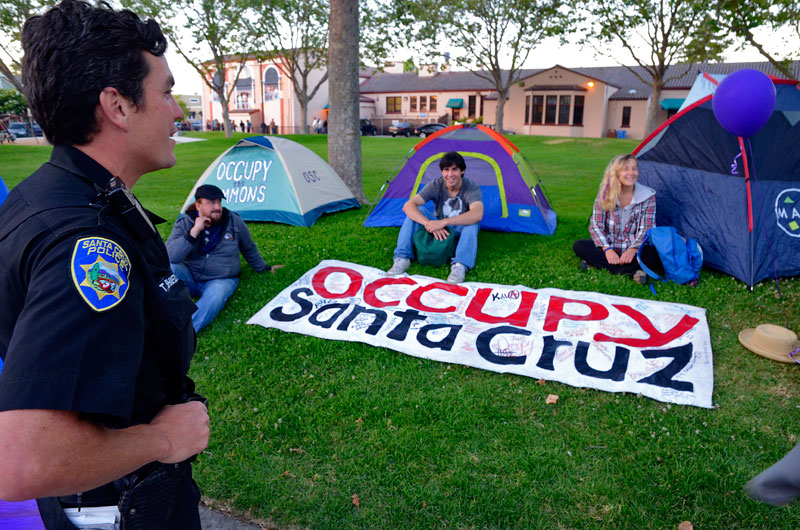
x=100 y=271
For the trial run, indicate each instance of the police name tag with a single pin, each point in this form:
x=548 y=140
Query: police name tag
x=100 y=272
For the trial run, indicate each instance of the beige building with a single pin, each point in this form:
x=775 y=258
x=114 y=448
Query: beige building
x=194 y=105
x=557 y=101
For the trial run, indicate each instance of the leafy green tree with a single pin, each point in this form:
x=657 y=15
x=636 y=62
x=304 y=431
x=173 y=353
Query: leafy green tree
x=741 y=17
x=199 y=29
x=12 y=102
x=657 y=34
x=184 y=107
x=13 y=14
x=294 y=35
x=496 y=36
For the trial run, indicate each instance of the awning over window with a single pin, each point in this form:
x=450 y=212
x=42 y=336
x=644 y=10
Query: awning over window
x=455 y=103
x=671 y=104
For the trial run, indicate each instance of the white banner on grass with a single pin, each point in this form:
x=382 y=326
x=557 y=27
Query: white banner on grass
x=584 y=339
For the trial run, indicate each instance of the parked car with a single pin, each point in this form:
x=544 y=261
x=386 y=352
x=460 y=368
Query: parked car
x=196 y=125
x=429 y=128
x=402 y=127
x=367 y=128
x=19 y=129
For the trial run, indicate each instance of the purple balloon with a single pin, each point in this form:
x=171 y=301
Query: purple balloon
x=743 y=102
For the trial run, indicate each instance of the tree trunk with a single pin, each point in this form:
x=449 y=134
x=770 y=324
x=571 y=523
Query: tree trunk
x=8 y=74
x=651 y=122
x=501 y=106
x=226 y=118
x=344 y=138
x=304 y=114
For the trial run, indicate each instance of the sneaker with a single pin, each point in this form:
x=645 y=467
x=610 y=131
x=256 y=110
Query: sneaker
x=457 y=273
x=400 y=266
x=640 y=277
x=584 y=265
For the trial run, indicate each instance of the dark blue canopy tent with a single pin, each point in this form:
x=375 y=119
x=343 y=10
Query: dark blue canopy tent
x=739 y=198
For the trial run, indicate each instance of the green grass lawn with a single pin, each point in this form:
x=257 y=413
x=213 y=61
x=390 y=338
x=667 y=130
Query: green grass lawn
x=301 y=425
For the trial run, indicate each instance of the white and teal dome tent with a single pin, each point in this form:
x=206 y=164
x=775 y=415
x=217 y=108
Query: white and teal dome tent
x=266 y=178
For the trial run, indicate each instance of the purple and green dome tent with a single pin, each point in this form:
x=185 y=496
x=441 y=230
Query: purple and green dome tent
x=513 y=198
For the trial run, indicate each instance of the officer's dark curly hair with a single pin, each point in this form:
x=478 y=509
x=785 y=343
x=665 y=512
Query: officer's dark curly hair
x=73 y=52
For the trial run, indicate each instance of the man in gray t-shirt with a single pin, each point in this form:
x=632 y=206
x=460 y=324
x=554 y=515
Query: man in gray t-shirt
x=458 y=207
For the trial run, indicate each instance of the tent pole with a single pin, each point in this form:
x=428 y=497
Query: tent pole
x=749 y=208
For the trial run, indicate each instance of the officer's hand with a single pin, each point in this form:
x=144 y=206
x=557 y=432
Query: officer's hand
x=273 y=268
x=186 y=429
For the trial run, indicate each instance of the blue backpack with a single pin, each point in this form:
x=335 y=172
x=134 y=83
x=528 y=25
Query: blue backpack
x=682 y=258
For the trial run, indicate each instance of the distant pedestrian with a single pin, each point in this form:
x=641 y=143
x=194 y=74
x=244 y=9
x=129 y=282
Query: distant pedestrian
x=263 y=128
x=325 y=127
x=249 y=126
x=315 y=125
x=273 y=127
x=241 y=125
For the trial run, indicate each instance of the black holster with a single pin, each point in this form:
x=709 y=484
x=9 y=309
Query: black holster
x=148 y=504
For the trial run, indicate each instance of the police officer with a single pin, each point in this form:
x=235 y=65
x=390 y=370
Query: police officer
x=97 y=417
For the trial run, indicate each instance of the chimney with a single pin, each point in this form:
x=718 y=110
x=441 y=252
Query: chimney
x=427 y=70
x=393 y=67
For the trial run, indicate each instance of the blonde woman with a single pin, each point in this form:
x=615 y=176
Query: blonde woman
x=623 y=212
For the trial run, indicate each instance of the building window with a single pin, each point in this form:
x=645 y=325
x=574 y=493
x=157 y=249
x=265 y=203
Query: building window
x=577 y=114
x=550 y=110
x=472 y=104
x=218 y=80
x=432 y=103
x=563 y=109
x=538 y=110
x=413 y=104
x=271 y=77
x=481 y=111
x=626 y=116
x=271 y=84
x=527 y=109
x=423 y=103
x=393 y=105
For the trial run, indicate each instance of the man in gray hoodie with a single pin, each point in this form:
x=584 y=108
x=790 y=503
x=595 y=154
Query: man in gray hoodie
x=204 y=251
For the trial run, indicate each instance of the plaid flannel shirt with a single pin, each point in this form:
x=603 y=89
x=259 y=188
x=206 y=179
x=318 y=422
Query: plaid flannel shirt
x=607 y=230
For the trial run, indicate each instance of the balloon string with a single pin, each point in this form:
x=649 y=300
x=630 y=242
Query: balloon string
x=763 y=223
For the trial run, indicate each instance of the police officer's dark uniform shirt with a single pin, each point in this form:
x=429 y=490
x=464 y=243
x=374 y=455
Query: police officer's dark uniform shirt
x=92 y=318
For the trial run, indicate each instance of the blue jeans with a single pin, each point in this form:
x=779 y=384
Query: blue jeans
x=466 y=250
x=213 y=294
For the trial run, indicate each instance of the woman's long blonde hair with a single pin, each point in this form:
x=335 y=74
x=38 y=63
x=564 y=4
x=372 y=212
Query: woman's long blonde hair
x=610 y=187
